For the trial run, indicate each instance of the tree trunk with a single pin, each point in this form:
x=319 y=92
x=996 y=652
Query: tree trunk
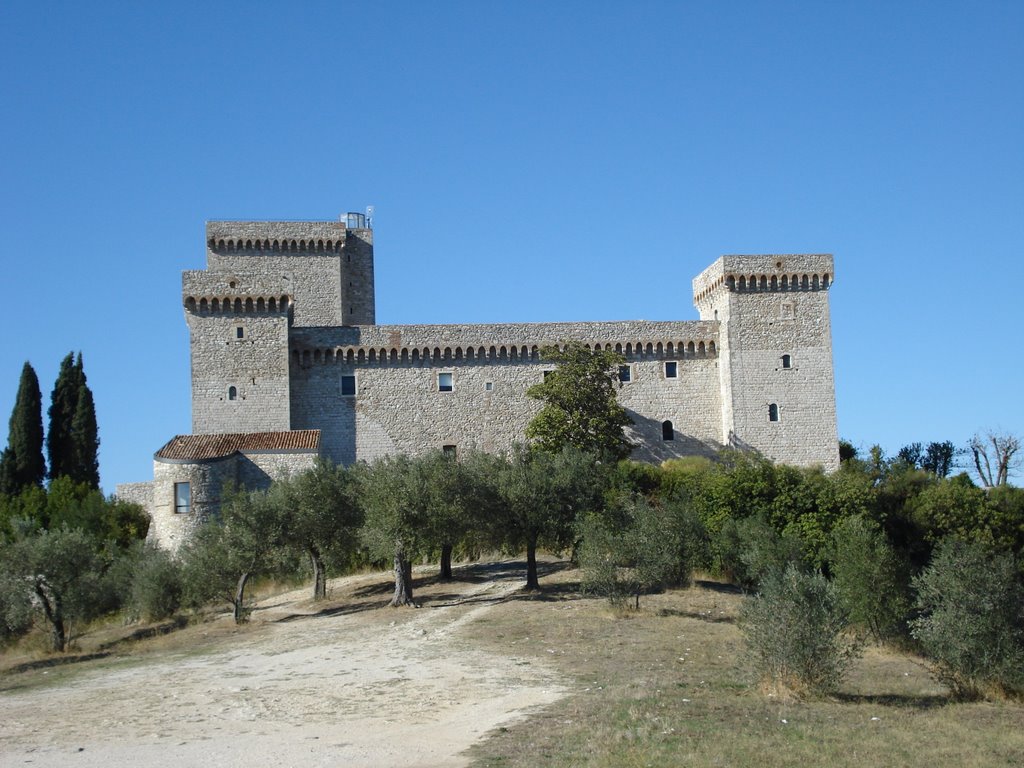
x=403 y=582
x=531 y=565
x=54 y=614
x=446 y=561
x=319 y=574
x=240 y=614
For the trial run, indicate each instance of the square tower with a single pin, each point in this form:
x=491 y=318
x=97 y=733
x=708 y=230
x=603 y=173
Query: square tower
x=777 y=382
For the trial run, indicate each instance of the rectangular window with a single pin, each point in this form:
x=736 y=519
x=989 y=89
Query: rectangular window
x=448 y=451
x=671 y=369
x=182 y=498
x=348 y=386
x=488 y=386
x=625 y=373
x=239 y=332
x=444 y=382
x=546 y=374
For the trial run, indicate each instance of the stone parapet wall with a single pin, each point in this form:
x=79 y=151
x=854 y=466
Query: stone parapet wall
x=136 y=493
x=779 y=272
x=274 y=230
x=631 y=332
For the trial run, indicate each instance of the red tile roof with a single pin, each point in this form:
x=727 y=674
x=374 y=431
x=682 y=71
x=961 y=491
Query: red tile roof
x=205 y=447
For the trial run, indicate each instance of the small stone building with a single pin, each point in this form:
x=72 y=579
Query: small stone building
x=289 y=364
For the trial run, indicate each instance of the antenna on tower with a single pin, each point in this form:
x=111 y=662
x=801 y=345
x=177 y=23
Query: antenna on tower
x=369 y=217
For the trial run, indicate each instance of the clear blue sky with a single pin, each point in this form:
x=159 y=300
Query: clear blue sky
x=528 y=161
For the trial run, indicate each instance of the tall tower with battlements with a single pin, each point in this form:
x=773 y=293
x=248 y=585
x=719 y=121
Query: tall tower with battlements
x=262 y=279
x=775 y=364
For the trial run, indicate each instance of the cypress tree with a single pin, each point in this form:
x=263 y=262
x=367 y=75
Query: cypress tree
x=22 y=463
x=63 y=406
x=85 y=440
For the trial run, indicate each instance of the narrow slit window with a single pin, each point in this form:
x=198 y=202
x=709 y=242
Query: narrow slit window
x=182 y=498
x=232 y=393
x=671 y=369
x=668 y=432
x=348 y=386
x=444 y=382
x=625 y=374
x=773 y=412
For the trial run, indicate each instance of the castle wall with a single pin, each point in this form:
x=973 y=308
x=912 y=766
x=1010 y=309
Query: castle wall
x=765 y=328
x=254 y=363
x=207 y=482
x=398 y=408
x=325 y=268
x=170 y=529
x=770 y=306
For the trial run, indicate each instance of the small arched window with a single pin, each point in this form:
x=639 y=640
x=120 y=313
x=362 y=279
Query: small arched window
x=787 y=361
x=232 y=393
x=667 y=431
x=773 y=412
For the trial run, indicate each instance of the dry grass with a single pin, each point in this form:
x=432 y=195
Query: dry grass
x=668 y=686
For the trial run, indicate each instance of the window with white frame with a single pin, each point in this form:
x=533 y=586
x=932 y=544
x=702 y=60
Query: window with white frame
x=444 y=382
x=182 y=498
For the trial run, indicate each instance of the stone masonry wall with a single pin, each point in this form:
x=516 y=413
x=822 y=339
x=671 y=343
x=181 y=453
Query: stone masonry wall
x=762 y=328
x=255 y=364
x=207 y=480
x=399 y=408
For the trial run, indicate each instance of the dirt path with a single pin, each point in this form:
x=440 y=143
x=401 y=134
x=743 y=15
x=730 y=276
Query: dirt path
x=367 y=688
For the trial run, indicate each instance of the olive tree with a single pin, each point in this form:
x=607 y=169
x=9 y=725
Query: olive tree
x=224 y=555
x=540 y=494
x=396 y=524
x=57 y=574
x=322 y=517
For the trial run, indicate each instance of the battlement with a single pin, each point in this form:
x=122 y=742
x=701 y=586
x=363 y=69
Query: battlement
x=284 y=236
x=398 y=344
x=769 y=272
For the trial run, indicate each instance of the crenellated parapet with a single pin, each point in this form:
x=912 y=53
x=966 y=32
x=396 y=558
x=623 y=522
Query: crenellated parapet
x=774 y=273
x=500 y=343
x=279 y=236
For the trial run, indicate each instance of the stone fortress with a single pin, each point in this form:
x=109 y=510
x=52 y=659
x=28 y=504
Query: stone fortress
x=288 y=364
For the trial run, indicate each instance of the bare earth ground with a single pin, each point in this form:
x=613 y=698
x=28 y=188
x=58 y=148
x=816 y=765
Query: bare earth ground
x=345 y=685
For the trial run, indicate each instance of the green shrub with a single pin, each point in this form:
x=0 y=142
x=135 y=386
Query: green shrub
x=157 y=586
x=644 y=553
x=794 y=631
x=751 y=550
x=972 y=625
x=872 y=581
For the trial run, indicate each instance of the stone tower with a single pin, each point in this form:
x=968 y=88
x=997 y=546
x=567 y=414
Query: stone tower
x=263 y=279
x=775 y=340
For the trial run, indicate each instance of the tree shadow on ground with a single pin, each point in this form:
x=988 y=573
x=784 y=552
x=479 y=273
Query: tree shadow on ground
x=911 y=701
x=337 y=610
x=706 y=616
x=718 y=586
x=497 y=572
